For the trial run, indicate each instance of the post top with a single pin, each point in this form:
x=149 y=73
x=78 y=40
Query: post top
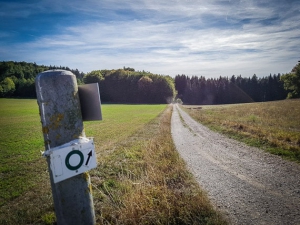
x=56 y=72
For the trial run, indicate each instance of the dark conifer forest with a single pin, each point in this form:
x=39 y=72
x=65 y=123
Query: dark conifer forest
x=224 y=90
x=17 y=79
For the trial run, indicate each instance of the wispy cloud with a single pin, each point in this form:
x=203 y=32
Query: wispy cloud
x=168 y=37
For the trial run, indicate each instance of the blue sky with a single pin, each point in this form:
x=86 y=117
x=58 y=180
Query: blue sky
x=193 y=37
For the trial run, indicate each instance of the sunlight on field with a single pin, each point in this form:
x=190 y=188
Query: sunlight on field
x=23 y=171
x=119 y=122
x=274 y=125
x=20 y=145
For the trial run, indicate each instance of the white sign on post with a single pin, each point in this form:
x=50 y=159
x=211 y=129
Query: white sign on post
x=72 y=159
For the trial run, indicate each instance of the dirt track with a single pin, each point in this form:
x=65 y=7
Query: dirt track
x=246 y=184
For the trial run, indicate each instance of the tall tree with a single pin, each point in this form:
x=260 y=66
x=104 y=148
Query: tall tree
x=94 y=76
x=292 y=82
x=7 y=87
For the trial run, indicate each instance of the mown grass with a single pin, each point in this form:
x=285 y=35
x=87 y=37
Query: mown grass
x=273 y=126
x=20 y=145
x=140 y=178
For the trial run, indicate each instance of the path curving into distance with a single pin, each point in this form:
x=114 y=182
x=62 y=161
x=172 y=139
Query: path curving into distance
x=246 y=184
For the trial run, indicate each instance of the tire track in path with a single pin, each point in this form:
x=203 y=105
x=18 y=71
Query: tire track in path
x=246 y=184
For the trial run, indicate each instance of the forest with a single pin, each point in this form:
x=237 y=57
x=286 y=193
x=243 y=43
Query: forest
x=17 y=79
x=129 y=86
x=224 y=90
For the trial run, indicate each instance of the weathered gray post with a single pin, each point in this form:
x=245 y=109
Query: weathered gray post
x=58 y=100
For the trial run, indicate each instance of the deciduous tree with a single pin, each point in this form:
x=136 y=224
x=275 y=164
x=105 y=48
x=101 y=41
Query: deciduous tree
x=292 y=82
x=7 y=87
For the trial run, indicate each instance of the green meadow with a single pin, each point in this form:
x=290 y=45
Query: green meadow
x=20 y=145
x=140 y=179
x=21 y=140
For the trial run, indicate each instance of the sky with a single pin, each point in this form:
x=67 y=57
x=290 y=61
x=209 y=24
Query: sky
x=193 y=37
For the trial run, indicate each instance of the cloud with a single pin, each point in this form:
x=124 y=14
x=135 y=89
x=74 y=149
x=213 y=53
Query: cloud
x=193 y=37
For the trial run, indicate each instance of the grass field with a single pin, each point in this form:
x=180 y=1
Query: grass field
x=20 y=145
x=140 y=178
x=273 y=126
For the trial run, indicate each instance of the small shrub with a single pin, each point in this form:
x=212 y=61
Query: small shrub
x=49 y=218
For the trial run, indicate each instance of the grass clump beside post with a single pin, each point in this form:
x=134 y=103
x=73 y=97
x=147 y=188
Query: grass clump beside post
x=144 y=181
x=273 y=126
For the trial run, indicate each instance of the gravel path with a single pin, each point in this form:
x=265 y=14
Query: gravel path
x=246 y=184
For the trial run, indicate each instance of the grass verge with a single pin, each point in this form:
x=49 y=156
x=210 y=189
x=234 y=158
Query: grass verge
x=145 y=181
x=272 y=126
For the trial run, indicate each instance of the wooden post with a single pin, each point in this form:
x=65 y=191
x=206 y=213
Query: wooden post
x=59 y=105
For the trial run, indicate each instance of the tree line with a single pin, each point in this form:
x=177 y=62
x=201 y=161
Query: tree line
x=17 y=79
x=129 y=86
x=224 y=90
